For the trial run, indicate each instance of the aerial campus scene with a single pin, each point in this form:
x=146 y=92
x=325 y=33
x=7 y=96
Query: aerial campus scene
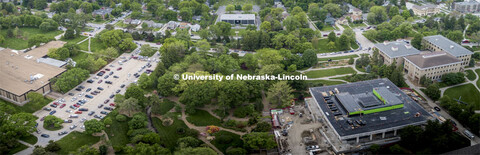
x=237 y=77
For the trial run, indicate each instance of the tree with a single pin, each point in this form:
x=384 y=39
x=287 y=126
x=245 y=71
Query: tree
x=230 y=8
x=203 y=45
x=377 y=15
x=471 y=63
x=37 y=39
x=69 y=34
x=343 y=43
x=424 y=81
x=333 y=9
x=236 y=151
x=417 y=41
x=331 y=45
x=393 y=11
x=35 y=98
x=309 y=58
x=94 y=126
x=108 y=121
x=291 y=23
x=109 y=53
x=138 y=121
x=433 y=92
x=280 y=94
x=196 y=151
x=266 y=26
x=456 y=36
x=247 y=7
x=453 y=78
x=165 y=84
x=172 y=52
x=188 y=142
x=332 y=37
x=186 y=14
x=134 y=91
x=128 y=106
x=52 y=146
x=351 y=61
x=40 y=4
x=52 y=121
x=397 y=20
x=262 y=127
x=86 y=150
x=259 y=140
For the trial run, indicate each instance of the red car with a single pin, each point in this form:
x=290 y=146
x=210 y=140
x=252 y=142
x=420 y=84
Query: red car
x=106 y=101
x=78 y=112
x=119 y=68
x=63 y=105
x=55 y=103
x=76 y=105
x=112 y=104
x=107 y=69
x=100 y=81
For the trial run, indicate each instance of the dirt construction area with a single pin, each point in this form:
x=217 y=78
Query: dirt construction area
x=103 y=98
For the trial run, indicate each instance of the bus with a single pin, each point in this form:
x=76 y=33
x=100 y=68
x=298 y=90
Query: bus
x=468 y=134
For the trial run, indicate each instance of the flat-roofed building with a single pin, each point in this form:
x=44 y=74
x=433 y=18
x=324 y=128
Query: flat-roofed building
x=21 y=73
x=360 y=114
x=395 y=51
x=471 y=6
x=241 y=19
x=425 y=10
x=439 y=43
x=431 y=65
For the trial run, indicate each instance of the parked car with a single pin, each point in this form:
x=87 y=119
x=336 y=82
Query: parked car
x=62 y=133
x=83 y=120
x=112 y=104
x=90 y=81
x=123 y=85
x=99 y=88
x=88 y=96
x=73 y=107
x=53 y=112
x=118 y=91
x=88 y=89
x=53 y=105
x=68 y=121
x=47 y=109
x=104 y=112
x=107 y=69
x=73 y=127
x=108 y=108
x=63 y=105
x=108 y=82
x=112 y=96
x=83 y=109
x=78 y=112
x=436 y=108
x=100 y=73
x=106 y=76
x=100 y=81
x=41 y=119
x=45 y=135
x=100 y=106
x=119 y=68
x=91 y=113
x=115 y=77
x=111 y=73
x=71 y=94
x=106 y=101
x=73 y=116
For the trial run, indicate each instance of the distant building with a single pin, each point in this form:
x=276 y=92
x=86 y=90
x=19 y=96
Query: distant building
x=359 y=114
x=342 y=20
x=395 y=51
x=432 y=65
x=127 y=21
x=102 y=12
x=425 y=10
x=151 y=23
x=183 y=25
x=243 y=19
x=197 y=18
x=329 y=21
x=27 y=72
x=195 y=27
x=136 y=22
x=356 y=14
x=172 y=25
x=441 y=44
x=466 y=7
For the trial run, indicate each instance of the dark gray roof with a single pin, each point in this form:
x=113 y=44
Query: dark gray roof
x=397 y=49
x=471 y=150
x=393 y=118
x=103 y=11
x=432 y=59
x=447 y=45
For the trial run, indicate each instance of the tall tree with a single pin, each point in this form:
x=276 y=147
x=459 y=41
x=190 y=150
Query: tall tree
x=280 y=93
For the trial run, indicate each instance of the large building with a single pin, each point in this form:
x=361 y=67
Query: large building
x=395 y=51
x=240 y=19
x=432 y=65
x=363 y=113
x=439 y=43
x=425 y=10
x=27 y=72
x=471 y=6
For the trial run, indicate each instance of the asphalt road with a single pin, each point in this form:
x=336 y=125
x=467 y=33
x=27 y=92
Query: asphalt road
x=131 y=67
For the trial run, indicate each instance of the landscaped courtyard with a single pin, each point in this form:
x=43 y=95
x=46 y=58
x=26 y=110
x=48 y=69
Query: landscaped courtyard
x=466 y=93
x=22 y=42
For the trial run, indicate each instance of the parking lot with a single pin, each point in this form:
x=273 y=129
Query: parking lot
x=124 y=76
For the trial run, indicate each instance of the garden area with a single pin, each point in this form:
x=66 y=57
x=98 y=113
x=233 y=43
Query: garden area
x=170 y=132
x=21 y=41
x=19 y=148
x=75 y=140
x=117 y=132
x=203 y=118
x=224 y=139
x=338 y=58
x=468 y=93
x=470 y=75
x=329 y=72
x=29 y=107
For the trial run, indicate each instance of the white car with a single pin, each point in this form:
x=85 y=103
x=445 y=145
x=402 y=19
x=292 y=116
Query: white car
x=73 y=127
x=81 y=94
x=83 y=120
x=69 y=111
x=74 y=98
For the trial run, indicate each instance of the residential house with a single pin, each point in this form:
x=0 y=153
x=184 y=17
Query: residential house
x=102 y=12
x=356 y=14
x=153 y=24
x=127 y=21
x=172 y=25
x=329 y=21
x=183 y=25
x=195 y=28
x=136 y=22
x=342 y=21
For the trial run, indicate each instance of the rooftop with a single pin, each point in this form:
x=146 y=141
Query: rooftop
x=472 y=2
x=410 y=114
x=448 y=46
x=432 y=59
x=42 y=50
x=238 y=17
x=52 y=62
x=21 y=73
x=426 y=6
x=397 y=49
x=103 y=11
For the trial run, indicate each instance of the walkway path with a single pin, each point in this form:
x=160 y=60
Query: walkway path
x=26 y=151
x=474 y=82
x=466 y=27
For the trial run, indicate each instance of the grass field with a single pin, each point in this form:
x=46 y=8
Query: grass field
x=321 y=46
x=75 y=40
x=338 y=58
x=225 y=139
x=169 y=134
x=357 y=25
x=165 y=106
x=203 y=118
x=470 y=75
x=468 y=92
x=316 y=83
x=30 y=139
x=22 y=43
x=28 y=107
x=80 y=56
x=75 y=140
x=117 y=132
x=19 y=148
x=328 y=28
x=478 y=73
x=329 y=72
x=95 y=45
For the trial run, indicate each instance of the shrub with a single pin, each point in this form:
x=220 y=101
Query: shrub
x=262 y=127
x=236 y=151
x=180 y=130
x=192 y=133
x=244 y=111
x=103 y=150
x=212 y=129
x=121 y=118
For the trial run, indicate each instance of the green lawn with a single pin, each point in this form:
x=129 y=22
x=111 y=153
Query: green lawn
x=203 y=118
x=338 y=58
x=75 y=40
x=468 y=92
x=327 y=28
x=19 y=148
x=22 y=43
x=321 y=46
x=329 y=72
x=478 y=73
x=75 y=140
x=224 y=139
x=470 y=75
x=30 y=139
x=169 y=134
x=80 y=56
x=165 y=106
x=29 y=107
x=117 y=132
x=95 y=45
x=316 y=83
x=357 y=25
x=84 y=46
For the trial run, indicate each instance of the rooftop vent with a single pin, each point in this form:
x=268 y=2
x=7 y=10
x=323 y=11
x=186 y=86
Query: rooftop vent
x=394 y=48
x=408 y=46
x=385 y=42
x=451 y=46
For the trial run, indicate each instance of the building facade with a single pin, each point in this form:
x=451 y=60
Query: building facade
x=438 y=43
x=395 y=51
x=471 y=6
x=432 y=65
x=240 y=19
x=425 y=10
